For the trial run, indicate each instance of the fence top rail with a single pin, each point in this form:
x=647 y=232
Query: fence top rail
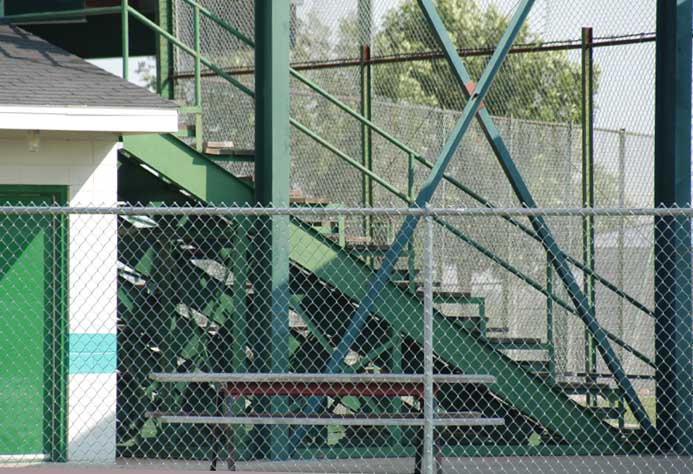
x=240 y=211
x=385 y=379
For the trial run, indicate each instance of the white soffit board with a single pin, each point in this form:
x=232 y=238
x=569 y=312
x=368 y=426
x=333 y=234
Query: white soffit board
x=89 y=119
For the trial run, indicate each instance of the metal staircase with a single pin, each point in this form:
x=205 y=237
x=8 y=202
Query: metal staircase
x=365 y=253
x=186 y=170
x=320 y=264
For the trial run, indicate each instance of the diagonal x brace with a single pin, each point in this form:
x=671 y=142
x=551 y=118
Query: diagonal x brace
x=429 y=186
x=556 y=256
x=405 y=233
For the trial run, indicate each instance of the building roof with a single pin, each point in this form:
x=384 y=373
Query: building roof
x=34 y=72
x=43 y=87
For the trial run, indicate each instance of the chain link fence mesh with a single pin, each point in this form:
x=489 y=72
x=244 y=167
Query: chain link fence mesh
x=136 y=335
x=155 y=337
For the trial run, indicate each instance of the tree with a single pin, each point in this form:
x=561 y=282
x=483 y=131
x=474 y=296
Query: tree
x=542 y=86
x=146 y=74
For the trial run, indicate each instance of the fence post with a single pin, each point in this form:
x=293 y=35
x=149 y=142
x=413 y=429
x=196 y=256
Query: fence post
x=673 y=338
x=427 y=461
x=198 y=78
x=124 y=17
x=588 y=197
x=365 y=21
x=621 y=227
x=549 y=320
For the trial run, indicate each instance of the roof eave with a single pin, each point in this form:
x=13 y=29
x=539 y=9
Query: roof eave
x=125 y=120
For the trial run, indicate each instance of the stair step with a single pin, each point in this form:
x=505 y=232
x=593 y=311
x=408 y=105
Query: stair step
x=230 y=155
x=296 y=197
x=309 y=201
x=540 y=366
x=186 y=131
x=446 y=294
x=403 y=274
x=363 y=245
x=518 y=343
x=405 y=284
x=219 y=144
x=607 y=413
x=498 y=330
x=583 y=388
x=320 y=221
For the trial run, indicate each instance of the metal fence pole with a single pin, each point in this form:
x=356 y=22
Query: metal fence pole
x=427 y=467
x=124 y=22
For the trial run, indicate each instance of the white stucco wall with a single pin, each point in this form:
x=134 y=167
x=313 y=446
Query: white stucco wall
x=87 y=163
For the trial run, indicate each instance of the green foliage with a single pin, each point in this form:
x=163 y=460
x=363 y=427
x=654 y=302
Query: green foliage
x=541 y=86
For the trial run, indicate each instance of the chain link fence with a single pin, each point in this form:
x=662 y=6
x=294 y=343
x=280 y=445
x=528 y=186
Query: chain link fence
x=188 y=338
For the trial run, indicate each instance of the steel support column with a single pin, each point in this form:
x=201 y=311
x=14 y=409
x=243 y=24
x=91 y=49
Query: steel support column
x=365 y=25
x=272 y=167
x=164 y=51
x=673 y=339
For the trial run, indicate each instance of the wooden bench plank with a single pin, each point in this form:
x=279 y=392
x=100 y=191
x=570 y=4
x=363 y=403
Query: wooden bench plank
x=323 y=389
x=202 y=377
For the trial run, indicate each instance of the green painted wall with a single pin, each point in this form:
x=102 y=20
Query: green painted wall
x=32 y=328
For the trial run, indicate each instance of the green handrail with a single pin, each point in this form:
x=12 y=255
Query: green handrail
x=147 y=22
x=411 y=153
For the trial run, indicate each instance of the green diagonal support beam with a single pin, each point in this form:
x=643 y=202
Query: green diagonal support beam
x=405 y=233
x=556 y=256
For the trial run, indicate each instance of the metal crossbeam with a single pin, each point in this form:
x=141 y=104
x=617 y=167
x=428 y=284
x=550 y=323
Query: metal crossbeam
x=556 y=256
x=202 y=377
x=445 y=419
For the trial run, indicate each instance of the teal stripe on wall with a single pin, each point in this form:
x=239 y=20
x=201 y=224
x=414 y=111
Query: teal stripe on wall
x=93 y=353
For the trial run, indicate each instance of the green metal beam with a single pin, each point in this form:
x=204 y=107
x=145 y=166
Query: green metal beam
x=203 y=178
x=270 y=270
x=673 y=339
x=557 y=257
x=365 y=25
x=125 y=36
x=164 y=51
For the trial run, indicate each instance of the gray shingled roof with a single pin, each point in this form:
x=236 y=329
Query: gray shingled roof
x=34 y=72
